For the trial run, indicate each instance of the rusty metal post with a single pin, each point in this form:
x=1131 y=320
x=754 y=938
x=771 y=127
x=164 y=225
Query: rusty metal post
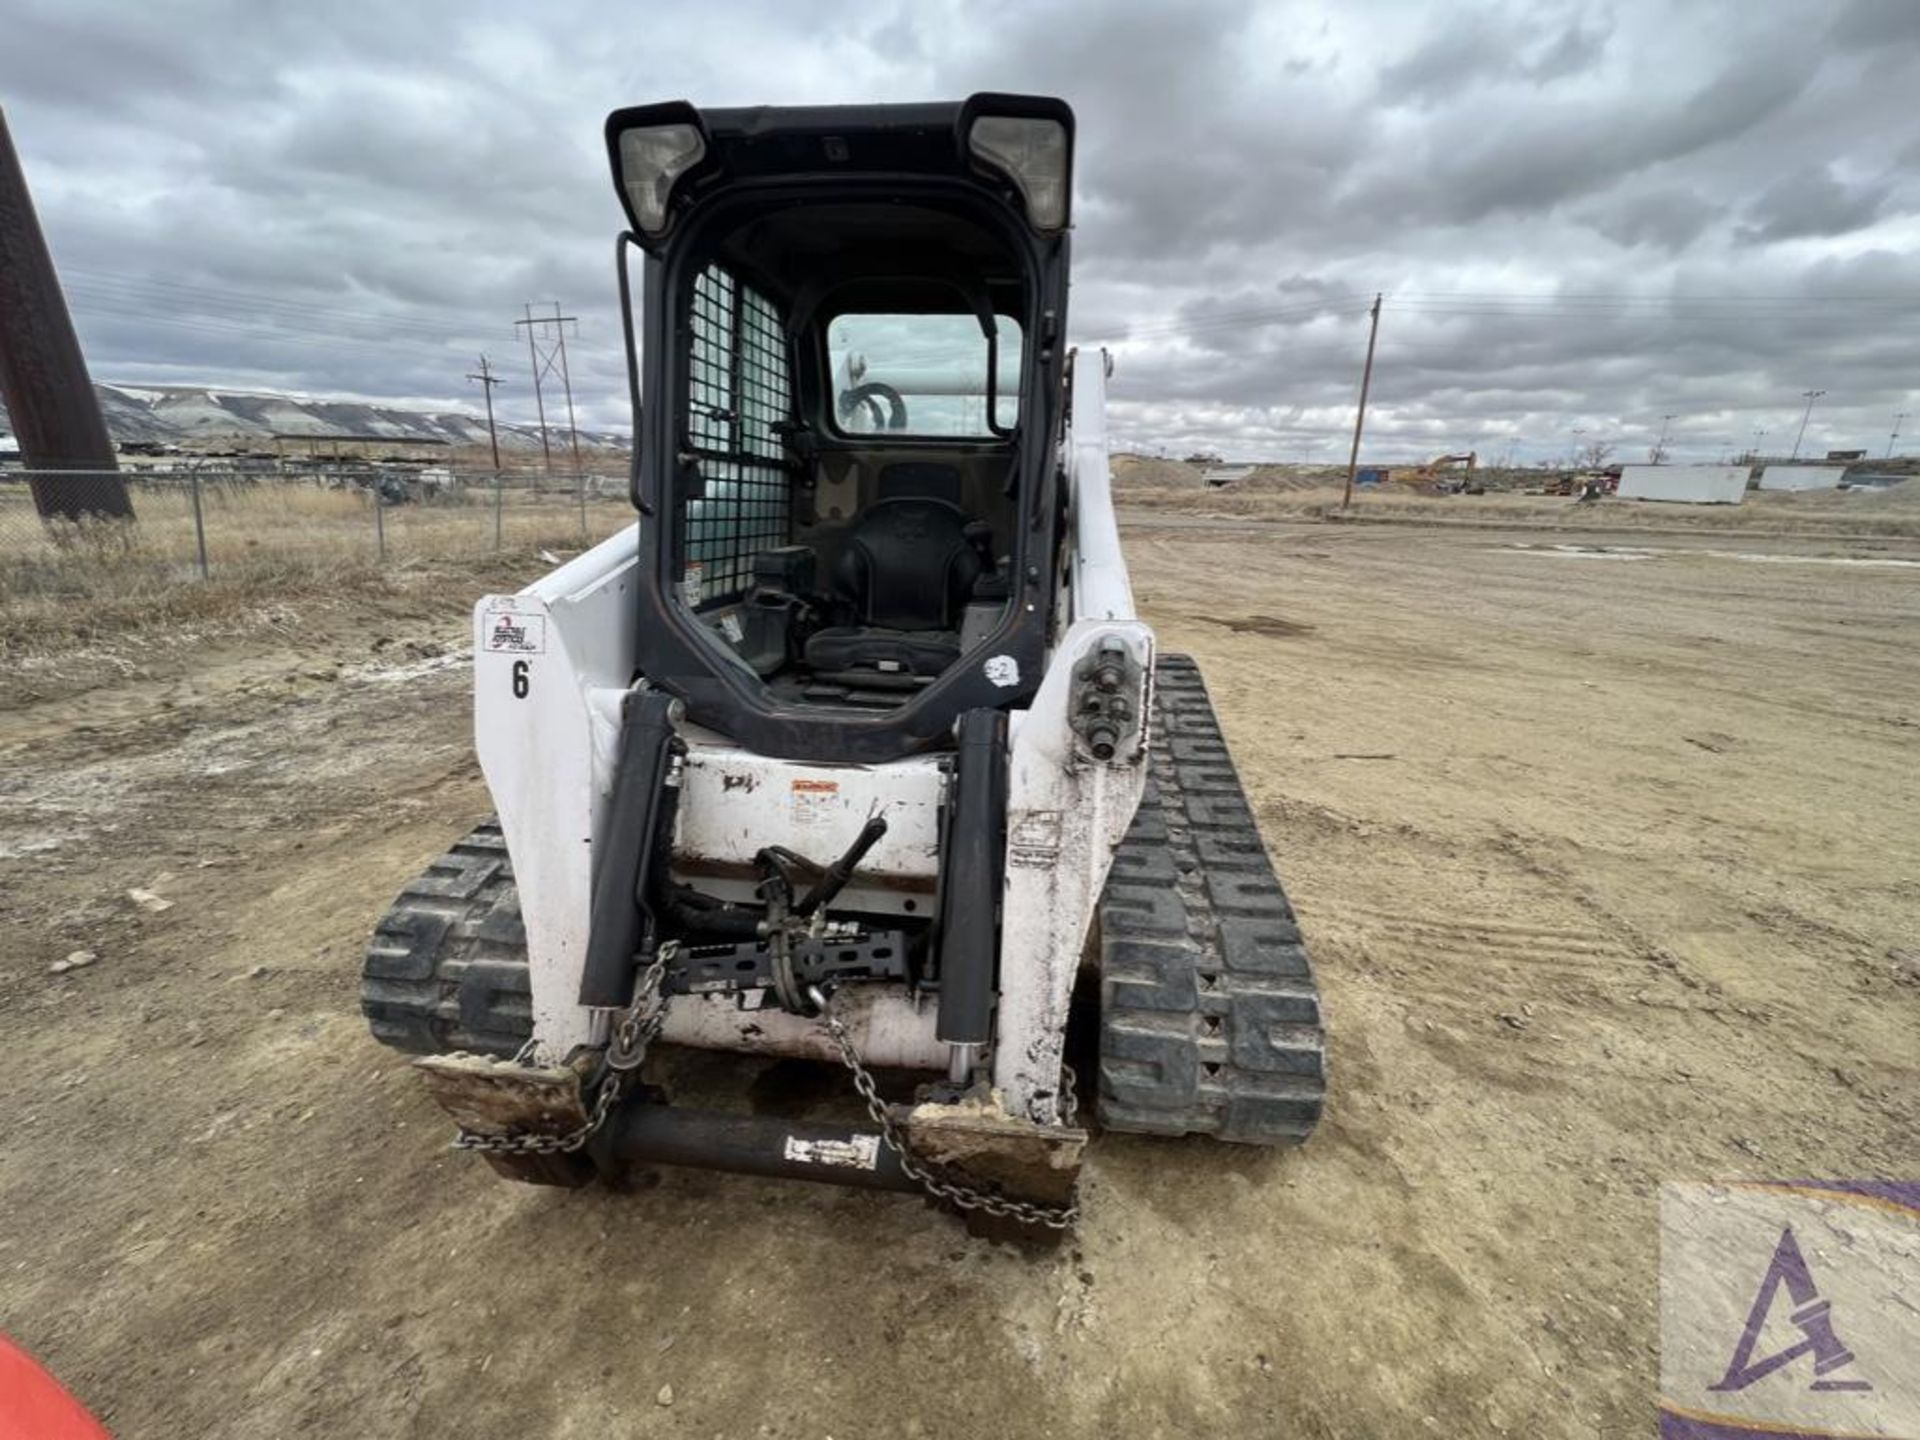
x=199 y=524
x=43 y=376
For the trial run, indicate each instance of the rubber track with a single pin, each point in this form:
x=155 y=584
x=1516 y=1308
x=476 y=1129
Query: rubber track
x=1209 y=1018
x=447 y=967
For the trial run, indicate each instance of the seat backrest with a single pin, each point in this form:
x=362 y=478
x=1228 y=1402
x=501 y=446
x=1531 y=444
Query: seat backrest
x=908 y=566
x=920 y=480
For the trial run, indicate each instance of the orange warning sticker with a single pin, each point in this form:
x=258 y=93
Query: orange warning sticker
x=814 y=800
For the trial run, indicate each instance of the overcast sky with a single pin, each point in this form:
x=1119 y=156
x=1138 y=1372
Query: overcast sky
x=1584 y=216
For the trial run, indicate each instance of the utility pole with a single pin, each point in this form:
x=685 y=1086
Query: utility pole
x=43 y=375
x=1360 y=415
x=1898 y=416
x=545 y=354
x=488 y=380
x=1660 y=445
x=1809 y=396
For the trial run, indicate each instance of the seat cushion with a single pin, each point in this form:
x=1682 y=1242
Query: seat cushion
x=850 y=648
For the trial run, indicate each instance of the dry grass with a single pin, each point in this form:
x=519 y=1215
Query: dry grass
x=62 y=584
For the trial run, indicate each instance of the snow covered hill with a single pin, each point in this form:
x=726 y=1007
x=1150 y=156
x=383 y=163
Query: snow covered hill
x=179 y=412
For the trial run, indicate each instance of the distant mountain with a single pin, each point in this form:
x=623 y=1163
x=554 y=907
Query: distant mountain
x=180 y=412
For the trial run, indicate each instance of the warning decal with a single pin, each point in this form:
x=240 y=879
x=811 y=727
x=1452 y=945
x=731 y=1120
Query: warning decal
x=814 y=800
x=856 y=1152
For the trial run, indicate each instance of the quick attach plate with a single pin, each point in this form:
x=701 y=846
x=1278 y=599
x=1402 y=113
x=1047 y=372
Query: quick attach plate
x=737 y=969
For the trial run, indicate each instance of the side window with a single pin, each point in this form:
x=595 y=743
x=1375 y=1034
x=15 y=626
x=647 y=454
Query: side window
x=739 y=389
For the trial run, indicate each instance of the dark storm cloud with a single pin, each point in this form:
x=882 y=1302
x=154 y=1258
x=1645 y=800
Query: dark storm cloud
x=1813 y=201
x=1583 y=215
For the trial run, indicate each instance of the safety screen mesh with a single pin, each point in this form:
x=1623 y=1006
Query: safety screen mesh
x=738 y=390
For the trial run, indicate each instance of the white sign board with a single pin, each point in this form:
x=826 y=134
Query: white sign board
x=1802 y=477
x=1686 y=484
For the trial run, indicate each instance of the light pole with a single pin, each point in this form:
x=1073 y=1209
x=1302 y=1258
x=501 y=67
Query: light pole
x=1759 y=434
x=1810 y=396
x=1899 y=415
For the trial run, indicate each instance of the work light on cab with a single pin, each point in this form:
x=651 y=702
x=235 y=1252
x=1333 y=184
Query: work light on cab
x=651 y=161
x=1032 y=152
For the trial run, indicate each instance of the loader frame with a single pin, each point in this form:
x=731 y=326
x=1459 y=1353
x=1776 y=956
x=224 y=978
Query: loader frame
x=887 y=818
x=552 y=669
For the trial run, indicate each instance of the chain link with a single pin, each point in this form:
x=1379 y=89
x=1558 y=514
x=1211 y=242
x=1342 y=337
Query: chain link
x=633 y=1032
x=963 y=1196
x=640 y=1023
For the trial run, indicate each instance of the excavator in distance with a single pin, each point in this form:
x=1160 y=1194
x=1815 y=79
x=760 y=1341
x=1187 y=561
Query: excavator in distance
x=853 y=748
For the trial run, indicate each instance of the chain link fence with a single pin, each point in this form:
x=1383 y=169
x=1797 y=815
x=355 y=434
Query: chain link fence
x=204 y=523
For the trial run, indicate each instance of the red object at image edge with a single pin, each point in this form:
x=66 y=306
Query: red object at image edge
x=35 y=1406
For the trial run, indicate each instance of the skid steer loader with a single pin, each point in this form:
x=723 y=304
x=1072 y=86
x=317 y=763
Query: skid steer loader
x=853 y=748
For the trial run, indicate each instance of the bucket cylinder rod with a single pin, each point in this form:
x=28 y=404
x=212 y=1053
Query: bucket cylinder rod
x=623 y=865
x=970 y=884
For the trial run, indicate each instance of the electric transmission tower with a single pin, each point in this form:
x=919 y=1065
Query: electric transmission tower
x=547 y=353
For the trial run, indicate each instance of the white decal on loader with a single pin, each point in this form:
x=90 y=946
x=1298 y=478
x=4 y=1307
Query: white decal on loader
x=857 y=1152
x=515 y=634
x=1003 y=670
x=1035 y=841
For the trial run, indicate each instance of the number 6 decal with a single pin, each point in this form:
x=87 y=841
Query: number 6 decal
x=520 y=679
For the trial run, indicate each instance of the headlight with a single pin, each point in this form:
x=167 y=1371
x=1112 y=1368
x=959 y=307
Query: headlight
x=651 y=160
x=1032 y=153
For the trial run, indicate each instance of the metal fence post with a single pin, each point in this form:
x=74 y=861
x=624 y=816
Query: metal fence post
x=580 y=484
x=199 y=523
x=499 y=484
x=379 y=519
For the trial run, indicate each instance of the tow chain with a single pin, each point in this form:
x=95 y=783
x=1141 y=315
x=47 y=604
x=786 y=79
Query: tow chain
x=956 y=1193
x=633 y=1032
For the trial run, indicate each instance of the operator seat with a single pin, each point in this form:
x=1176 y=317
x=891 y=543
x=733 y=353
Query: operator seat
x=903 y=579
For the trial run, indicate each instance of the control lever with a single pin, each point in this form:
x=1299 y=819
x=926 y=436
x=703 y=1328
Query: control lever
x=841 y=871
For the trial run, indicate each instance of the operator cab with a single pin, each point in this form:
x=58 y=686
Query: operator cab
x=849 y=412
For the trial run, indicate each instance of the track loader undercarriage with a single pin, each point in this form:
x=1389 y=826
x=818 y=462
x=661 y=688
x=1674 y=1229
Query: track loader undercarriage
x=854 y=748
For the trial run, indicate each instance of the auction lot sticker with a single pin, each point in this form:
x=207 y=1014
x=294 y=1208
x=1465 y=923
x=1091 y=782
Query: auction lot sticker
x=1790 y=1308
x=512 y=633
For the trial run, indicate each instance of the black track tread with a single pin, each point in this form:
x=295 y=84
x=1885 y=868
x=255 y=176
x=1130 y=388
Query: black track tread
x=447 y=966
x=1209 y=1017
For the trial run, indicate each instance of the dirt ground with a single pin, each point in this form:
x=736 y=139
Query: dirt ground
x=1607 y=864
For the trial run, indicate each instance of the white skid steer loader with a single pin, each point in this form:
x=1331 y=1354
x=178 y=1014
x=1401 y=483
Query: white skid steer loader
x=853 y=747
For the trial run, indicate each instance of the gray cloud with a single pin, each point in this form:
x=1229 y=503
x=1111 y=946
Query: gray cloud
x=1813 y=201
x=1582 y=214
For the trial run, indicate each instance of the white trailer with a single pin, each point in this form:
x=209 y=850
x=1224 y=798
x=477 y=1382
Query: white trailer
x=1802 y=477
x=1685 y=484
